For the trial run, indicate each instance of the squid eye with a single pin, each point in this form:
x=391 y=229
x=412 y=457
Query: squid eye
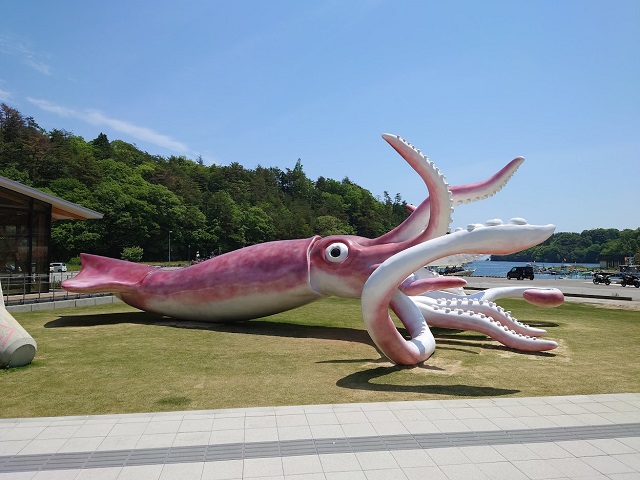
x=336 y=252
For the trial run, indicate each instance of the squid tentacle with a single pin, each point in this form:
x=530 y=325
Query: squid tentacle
x=460 y=194
x=505 y=330
x=429 y=221
x=488 y=309
x=382 y=285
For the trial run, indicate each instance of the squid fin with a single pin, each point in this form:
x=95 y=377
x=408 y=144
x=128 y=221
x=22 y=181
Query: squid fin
x=103 y=274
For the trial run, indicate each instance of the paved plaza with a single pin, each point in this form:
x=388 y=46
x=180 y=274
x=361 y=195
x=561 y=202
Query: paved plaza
x=572 y=437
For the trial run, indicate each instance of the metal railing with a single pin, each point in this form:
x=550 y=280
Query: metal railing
x=19 y=289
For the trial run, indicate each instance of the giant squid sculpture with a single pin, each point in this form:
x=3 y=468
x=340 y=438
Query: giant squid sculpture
x=385 y=272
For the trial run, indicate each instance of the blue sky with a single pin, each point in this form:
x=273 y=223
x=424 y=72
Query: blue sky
x=472 y=84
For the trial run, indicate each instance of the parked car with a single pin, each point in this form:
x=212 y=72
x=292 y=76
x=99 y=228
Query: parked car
x=520 y=273
x=58 y=267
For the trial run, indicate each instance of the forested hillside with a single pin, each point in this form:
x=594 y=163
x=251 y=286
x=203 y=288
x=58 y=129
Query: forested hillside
x=210 y=209
x=214 y=209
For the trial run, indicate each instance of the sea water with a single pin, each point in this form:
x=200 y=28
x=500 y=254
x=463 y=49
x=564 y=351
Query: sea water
x=487 y=268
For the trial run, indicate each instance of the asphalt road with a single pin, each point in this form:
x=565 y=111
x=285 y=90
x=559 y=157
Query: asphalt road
x=584 y=290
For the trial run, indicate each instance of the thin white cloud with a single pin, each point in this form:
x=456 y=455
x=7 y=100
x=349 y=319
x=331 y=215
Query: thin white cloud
x=5 y=96
x=10 y=46
x=95 y=117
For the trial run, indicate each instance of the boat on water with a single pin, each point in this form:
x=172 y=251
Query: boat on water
x=457 y=271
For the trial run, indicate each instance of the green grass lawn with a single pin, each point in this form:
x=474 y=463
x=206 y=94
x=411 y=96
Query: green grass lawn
x=114 y=359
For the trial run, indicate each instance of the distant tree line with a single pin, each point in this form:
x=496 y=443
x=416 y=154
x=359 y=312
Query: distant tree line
x=207 y=209
x=585 y=247
x=214 y=209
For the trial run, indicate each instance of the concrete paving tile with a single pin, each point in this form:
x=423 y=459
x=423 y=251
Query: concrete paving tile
x=264 y=421
x=294 y=433
x=480 y=424
x=328 y=418
x=502 y=471
x=93 y=430
x=262 y=467
x=424 y=473
x=608 y=465
x=22 y=433
x=630 y=459
x=303 y=464
x=516 y=452
x=359 y=475
x=358 y=430
x=409 y=415
x=413 y=458
x=56 y=475
x=573 y=467
x=228 y=423
x=386 y=474
x=508 y=423
x=191 y=438
x=420 y=426
x=305 y=476
x=538 y=469
x=463 y=472
x=261 y=434
x=155 y=428
x=547 y=450
x=580 y=448
x=611 y=446
x=122 y=429
x=621 y=476
x=376 y=416
x=327 y=431
x=565 y=420
x=88 y=444
x=376 y=460
x=438 y=414
x=492 y=412
x=571 y=408
x=193 y=425
x=17 y=476
x=182 y=471
x=465 y=412
x=351 y=417
x=226 y=436
x=107 y=473
x=119 y=443
x=13 y=447
x=633 y=442
x=43 y=446
x=537 y=422
x=389 y=428
x=448 y=456
x=519 y=411
x=450 y=425
x=61 y=431
x=482 y=454
x=141 y=472
x=156 y=440
x=291 y=420
x=339 y=462
x=224 y=470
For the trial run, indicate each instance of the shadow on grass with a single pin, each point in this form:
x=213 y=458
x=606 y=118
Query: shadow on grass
x=454 y=340
x=363 y=380
x=251 y=327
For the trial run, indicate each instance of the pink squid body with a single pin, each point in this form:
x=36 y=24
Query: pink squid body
x=252 y=282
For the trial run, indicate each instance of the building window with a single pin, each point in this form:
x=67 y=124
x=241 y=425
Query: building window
x=25 y=226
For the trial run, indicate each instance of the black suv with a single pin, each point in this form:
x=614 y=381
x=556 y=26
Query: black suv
x=520 y=273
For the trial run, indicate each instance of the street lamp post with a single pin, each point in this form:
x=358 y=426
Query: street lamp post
x=170 y=247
